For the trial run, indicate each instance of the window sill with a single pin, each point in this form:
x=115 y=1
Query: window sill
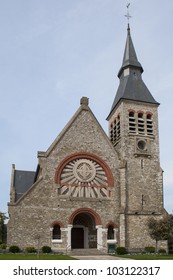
x=56 y=240
x=111 y=241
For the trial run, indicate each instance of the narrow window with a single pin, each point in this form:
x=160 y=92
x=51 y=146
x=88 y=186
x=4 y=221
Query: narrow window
x=141 y=127
x=115 y=131
x=56 y=233
x=149 y=124
x=118 y=128
x=111 y=133
x=110 y=232
x=132 y=122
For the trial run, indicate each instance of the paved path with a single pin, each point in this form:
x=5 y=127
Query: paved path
x=99 y=257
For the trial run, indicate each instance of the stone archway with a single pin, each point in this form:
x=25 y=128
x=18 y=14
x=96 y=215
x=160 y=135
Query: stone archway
x=84 y=229
x=84 y=232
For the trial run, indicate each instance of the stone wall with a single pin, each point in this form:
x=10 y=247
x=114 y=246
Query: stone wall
x=135 y=195
x=141 y=180
x=34 y=213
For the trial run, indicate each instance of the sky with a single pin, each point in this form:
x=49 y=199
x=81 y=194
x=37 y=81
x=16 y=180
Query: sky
x=53 y=52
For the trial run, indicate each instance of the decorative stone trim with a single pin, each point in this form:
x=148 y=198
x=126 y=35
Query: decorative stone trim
x=56 y=223
x=87 y=211
x=111 y=224
x=84 y=156
x=84 y=175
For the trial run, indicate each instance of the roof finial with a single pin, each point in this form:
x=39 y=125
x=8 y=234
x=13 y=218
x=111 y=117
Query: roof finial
x=128 y=16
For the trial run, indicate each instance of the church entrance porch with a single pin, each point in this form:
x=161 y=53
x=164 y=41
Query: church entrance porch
x=84 y=232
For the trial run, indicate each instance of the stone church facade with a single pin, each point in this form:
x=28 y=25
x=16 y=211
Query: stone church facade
x=91 y=190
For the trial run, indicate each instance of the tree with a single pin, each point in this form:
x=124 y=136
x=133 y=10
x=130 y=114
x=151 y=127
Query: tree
x=161 y=229
x=3 y=217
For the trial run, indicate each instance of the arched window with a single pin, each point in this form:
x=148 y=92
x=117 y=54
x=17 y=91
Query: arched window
x=149 y=124
x=132 y=122
x=141 y=127
x=118 y=127
x=111 y=133
x=140 y=122
x=115 y=130
x=56 y=233
x=110 y=234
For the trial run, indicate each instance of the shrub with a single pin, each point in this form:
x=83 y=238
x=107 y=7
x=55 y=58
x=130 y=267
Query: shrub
x=162 y=251
x=46 y=249
x=3 y=246
x=150 y=249
x=14 y=249
x=121 y=250
x=30 y=250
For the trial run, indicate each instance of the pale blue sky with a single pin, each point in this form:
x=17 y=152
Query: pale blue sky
x=53 y=52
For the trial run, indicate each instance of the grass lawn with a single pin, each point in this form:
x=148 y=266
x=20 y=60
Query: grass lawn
x=64 y=257
x=34 y=257
x=148 y=257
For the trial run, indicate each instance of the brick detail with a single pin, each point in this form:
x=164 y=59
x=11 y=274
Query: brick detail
x=110 y=223
x=56 y=223
x=87 y=211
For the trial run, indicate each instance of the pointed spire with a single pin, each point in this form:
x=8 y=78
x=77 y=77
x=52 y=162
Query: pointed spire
x=131 y=85
x=130 y=58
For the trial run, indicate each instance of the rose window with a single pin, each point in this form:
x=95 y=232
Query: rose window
x=83 y=177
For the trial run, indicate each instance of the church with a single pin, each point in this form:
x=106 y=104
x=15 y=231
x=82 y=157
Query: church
x=92 y=190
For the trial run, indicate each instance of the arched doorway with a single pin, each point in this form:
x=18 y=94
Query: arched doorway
x=84 y=232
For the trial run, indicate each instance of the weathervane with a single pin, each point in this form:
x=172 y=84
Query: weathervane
x=128 y=16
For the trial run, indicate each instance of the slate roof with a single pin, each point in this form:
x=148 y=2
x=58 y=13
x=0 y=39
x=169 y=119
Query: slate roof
x=23 y=180
x=130 y=57
x=131 y=86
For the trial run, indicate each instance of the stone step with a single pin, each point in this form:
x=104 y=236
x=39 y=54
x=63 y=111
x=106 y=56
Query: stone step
x=84 y=252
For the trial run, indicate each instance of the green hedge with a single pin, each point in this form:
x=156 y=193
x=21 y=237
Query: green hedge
x=46 y=249
x=150 y=249
x=14 y=249
x=162 y=251
x=30 y=250
x=121 y=250
x=3 y=246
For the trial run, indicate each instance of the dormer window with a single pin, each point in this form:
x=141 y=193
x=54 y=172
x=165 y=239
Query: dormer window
x=126 y=72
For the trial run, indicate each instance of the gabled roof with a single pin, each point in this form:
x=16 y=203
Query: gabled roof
x=84 y=106
x=23 y=180
x=131 y=85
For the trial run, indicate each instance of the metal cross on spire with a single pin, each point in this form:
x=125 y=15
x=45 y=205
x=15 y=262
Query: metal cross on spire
x=128 y=16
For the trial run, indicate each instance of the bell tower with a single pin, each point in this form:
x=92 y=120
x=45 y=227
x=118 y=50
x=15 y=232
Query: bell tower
x=133 y=131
